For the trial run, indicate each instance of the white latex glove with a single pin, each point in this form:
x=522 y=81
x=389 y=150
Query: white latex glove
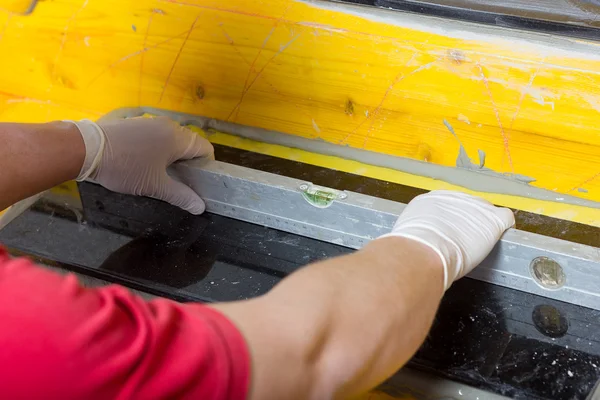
x=131 y=156
x=462 y=229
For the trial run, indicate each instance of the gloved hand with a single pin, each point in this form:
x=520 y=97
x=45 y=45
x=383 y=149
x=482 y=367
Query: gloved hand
x=460 y=228
x=131 y=156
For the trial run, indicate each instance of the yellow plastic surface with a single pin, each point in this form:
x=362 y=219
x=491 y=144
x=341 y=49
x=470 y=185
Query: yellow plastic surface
x=531 y=102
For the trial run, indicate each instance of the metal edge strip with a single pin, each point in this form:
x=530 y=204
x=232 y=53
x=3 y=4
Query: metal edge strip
x=525 y=261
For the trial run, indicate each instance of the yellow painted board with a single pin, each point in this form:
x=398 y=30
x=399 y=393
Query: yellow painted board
x=380 y=80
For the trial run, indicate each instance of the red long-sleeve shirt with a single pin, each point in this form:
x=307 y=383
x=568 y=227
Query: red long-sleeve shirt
x=59 y=340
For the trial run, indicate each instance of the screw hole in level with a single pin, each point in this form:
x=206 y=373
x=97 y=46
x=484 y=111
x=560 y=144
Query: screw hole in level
x=547 y=273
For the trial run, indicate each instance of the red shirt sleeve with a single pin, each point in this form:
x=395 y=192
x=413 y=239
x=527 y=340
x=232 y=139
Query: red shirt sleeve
x=59 y=340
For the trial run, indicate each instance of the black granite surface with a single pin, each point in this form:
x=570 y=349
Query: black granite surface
x=502 y=340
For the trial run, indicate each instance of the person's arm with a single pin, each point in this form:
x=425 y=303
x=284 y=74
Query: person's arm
x=340 y=327
x=128 y=156
x=36 y=157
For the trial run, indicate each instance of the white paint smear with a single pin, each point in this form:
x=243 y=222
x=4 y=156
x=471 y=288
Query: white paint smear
x=315 y=126
x=464 y=118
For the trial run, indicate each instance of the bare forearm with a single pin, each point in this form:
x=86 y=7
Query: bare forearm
x=338 y=328
x=36 y=157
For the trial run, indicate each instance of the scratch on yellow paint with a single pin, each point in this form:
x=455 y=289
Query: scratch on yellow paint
x=290 y=66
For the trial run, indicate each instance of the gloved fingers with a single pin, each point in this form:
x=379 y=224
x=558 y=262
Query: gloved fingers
x=191 y=145
x=454 y=199
x=506 y=216
x=182 y=196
